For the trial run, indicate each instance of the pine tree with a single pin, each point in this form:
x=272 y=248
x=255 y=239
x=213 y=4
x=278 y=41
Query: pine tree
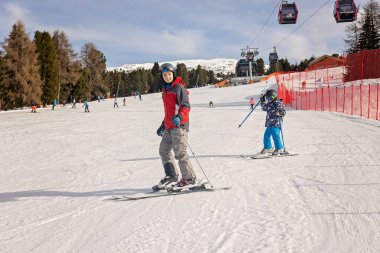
x=181 y=70
x=352 y=37
x=95 y=62
x=211 y=77
x=69 y=69
x=373 y=8
x=82 y=89
x=21 y=83
x=260 y=67
x=143 y=85
x=155 y=81
x=1 y=80
x=47 y=59
x=364 y=34
x=369 y=38
x=285 y=65
x=201 y=76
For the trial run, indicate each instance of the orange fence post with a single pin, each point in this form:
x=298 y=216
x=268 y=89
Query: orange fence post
x=360 y=100
x=377 y=102
x=336 y=99
x=344 y=97
x=369 y=99
x=352 y=99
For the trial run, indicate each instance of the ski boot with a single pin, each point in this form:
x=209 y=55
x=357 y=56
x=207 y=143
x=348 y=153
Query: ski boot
x=265 y=151
x=167 y=181
x=184 y=184
x=278 y=152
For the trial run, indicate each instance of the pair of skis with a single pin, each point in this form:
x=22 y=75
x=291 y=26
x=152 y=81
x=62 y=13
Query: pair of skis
x=204 y=187
x=268 y=155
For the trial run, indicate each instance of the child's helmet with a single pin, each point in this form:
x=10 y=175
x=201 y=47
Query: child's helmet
x=167 y=67
x=271 y=95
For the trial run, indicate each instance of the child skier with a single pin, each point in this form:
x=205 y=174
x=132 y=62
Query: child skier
x=174 y=131
x=85 y=105
x=275 y=113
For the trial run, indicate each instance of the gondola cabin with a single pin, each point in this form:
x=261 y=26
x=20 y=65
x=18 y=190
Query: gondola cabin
x=242 y=68
x=273 y=57
x=287 y=13
x=345 y=11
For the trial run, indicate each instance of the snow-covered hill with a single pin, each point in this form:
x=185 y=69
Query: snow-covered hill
x=220 y=65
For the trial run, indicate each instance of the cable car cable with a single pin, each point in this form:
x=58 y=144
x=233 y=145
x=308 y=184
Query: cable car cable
x=298 y=27
x=266 y=22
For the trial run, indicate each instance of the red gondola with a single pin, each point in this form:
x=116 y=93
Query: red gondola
x=345 y=11
x=288 y=13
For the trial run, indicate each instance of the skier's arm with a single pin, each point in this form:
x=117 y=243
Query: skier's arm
x=264 y=106
x=281 y=110
x=184 y=104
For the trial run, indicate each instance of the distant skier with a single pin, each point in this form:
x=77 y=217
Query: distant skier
x=174 y=131
x=115 y=103
x=140 y=96
x=34 y=106
x=54 y=103
x=85 y=105
x=252 y=103
x=275 y=113
x=123 y=101
x=74 y=104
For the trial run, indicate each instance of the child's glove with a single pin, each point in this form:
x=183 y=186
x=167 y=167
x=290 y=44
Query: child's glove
x=160 y=130
x=176 y=120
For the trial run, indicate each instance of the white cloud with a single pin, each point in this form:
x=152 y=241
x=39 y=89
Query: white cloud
x=10 y=13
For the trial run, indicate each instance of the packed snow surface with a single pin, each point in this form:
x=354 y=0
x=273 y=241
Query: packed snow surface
x=58 y=168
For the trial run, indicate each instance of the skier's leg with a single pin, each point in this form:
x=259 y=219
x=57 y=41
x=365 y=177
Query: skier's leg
x=277 y=138
x=267 y=138
x=180 y=152
x=167 y=156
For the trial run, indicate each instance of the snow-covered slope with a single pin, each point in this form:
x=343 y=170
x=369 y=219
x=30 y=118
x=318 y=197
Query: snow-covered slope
x=219 y=65
x=57 y=168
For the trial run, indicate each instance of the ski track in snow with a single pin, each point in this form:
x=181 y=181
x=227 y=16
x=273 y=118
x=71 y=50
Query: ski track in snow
x=58 y=167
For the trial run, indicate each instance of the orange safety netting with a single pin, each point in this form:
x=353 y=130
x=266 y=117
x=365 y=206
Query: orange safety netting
x=328 y=90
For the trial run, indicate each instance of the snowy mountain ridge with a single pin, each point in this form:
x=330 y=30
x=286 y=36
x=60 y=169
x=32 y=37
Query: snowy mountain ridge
x=218 y=65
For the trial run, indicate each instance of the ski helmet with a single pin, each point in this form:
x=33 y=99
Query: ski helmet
x=167 y=67
x=271 y=95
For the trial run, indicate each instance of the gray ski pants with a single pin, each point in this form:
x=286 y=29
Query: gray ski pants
x=175 y=139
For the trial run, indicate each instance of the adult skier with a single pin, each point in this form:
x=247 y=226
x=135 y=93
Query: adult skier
x=275 y=113
x=252 y=103
x=174 y=131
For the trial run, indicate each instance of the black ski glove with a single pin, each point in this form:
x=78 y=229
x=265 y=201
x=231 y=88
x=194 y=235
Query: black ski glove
x=161 y=129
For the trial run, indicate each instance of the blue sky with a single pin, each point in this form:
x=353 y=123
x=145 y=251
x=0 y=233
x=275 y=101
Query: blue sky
x=140 y=31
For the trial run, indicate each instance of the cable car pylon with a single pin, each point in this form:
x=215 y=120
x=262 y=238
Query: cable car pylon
x=249 y=54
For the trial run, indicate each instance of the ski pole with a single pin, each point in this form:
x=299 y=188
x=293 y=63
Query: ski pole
x=282 y=136
x=248 y=115
x=197 y=161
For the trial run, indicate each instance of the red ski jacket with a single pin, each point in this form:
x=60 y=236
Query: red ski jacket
x=176 y=103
